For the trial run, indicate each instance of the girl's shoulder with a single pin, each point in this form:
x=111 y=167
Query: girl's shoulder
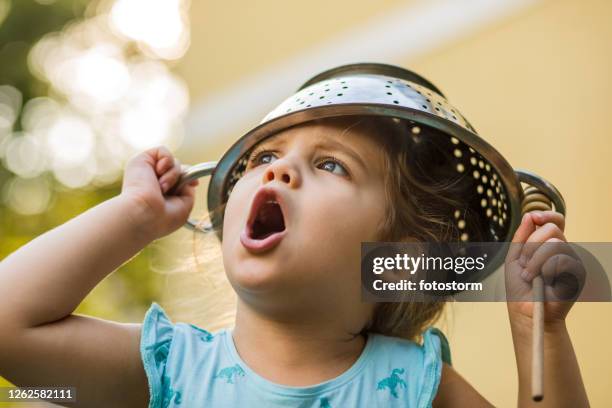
x=158 y=330
x=433 y=344
x=168 y=349
x=406 y=362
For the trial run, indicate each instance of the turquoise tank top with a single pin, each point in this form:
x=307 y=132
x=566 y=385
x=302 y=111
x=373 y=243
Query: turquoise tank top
x=189 y=367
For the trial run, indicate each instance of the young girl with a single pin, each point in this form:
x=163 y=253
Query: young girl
x=302 y=337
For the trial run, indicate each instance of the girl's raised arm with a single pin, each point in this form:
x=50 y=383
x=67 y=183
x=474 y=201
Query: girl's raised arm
x=41 y=342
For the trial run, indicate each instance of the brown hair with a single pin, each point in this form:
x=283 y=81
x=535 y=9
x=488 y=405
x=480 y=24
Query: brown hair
x=422 y=194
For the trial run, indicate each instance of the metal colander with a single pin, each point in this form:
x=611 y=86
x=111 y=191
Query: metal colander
x=492 y=191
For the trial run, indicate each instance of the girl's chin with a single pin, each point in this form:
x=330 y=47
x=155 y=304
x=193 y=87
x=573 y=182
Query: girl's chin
x=255 y=275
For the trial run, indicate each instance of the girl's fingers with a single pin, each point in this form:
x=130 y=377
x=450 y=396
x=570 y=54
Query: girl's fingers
x=163 y=165
x=179 y=205
x=163 y=159
x=168 y=169
x=158 y=153
x=525 y=229
x=543 y=217
x=140 y=168
x=564 y=277
x=545 y=250
x=171 y=176
x=542 y=234
x=188 y=189
x=191 y=185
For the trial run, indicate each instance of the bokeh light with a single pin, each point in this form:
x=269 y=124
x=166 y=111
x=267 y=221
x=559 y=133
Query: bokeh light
x=159 y=25
x=24 y=155
x=27 y=196
x=39 y=113
x=111 y=95
x=70 y=140
x=10 y=105
x=75 y=176
x=97 y=74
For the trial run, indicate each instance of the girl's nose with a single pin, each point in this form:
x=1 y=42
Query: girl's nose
x=281 y=171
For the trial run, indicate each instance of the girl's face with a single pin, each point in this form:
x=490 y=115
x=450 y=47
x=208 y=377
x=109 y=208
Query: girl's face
x=304 y=252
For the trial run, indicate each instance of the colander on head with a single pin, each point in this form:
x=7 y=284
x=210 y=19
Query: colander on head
x=491 y=189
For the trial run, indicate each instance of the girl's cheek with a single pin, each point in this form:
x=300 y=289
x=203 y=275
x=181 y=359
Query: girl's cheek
x=232 y=211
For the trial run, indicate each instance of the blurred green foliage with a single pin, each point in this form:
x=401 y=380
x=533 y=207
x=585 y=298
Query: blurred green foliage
x=26 y=22
x=125 y=294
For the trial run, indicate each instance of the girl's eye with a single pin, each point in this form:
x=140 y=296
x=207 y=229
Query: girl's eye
x=333 y=166
x=263 y=157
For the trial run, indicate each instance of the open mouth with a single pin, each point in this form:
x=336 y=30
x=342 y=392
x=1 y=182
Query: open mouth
x=265 y=227
x=269 y=219
x=266 y=217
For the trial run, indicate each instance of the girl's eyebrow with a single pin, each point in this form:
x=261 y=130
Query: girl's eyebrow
x=273 y=142
x=331 y=144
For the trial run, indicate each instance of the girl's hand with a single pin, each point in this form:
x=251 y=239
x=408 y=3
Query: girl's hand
x=561 y=269
x=148 y=176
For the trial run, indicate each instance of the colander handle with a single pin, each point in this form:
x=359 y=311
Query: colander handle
x=544 y=187
x=192 y=173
